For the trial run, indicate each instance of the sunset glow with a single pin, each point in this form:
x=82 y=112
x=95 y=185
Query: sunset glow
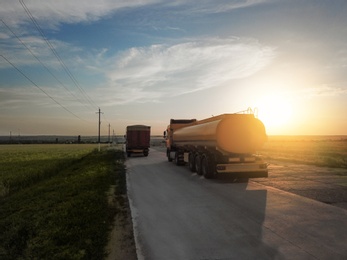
x=275 y=111
x=145 y=62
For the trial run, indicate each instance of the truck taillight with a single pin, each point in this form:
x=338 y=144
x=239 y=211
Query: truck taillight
x=249 y=159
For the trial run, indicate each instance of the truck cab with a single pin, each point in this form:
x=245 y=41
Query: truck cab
x=174 y=125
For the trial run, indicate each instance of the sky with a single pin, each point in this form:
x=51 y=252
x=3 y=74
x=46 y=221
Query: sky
x=147 y=61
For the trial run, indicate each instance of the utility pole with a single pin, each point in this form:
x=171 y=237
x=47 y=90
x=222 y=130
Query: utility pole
x=99 y=126
x=109 y=133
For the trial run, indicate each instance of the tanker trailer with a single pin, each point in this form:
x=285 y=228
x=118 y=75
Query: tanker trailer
x=222 y=144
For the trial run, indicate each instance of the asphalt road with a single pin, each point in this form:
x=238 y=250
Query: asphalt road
x=328 y=185
x=180 y=215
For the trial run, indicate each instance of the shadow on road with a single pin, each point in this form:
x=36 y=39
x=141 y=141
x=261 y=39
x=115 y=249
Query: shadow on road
x=245 y=209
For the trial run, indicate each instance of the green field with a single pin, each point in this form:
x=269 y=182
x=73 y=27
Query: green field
x=23 y=165
x=54 y=201
x=329 y=151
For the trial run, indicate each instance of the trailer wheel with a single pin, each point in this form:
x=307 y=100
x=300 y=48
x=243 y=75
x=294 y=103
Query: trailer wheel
x=128 y=154
x=179 y=158
x=191 y=162
x=197 y=161
x=176 y=160
x=207 y=166
x=145 y=153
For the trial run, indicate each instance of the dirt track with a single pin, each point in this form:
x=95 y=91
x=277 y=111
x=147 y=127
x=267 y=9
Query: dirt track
x=328 y=185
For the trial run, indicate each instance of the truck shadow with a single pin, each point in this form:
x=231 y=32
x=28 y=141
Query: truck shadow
x=225 y=178
x=135 y=155
x=246 y=211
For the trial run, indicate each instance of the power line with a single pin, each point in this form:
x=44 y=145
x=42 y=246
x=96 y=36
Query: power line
x=56 y=54
x=39 y=87
x=49 y=71
x=103 y=115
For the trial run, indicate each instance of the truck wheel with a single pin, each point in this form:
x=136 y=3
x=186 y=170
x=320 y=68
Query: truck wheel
x=197 y=161
x=191 y=162
x=145 y=153
x=128 y=154
x=168 y=155
x=207 y=167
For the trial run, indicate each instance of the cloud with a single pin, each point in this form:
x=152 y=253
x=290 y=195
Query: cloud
x=18 y=98
x=324 y=91
x=52 y=12
x=26 y=48
x=137 y=74
x=219 y=6
x=64 y=11
x=150 y=73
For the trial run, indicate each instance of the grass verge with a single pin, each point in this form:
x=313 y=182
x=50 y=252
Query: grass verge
x=66 y=215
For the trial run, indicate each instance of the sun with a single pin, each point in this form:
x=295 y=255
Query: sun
x=275 y=111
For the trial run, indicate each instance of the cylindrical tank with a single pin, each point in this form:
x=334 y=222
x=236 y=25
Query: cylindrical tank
x=233 y=133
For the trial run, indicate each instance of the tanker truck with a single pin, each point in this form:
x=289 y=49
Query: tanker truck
x=221 y=144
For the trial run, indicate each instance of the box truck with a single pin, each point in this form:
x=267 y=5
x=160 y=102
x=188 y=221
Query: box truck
x=137 y=139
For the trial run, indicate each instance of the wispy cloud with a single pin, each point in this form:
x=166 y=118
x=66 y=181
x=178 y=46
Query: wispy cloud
x=149 y=73
x=138 y=74
x=31 y=94
x=219 y=6
x=324 y=91
x=64 y=11
x=26 y=49
x=53 y=12
x=16 y=98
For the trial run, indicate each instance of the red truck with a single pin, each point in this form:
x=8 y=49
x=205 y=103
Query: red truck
x=138 y=139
